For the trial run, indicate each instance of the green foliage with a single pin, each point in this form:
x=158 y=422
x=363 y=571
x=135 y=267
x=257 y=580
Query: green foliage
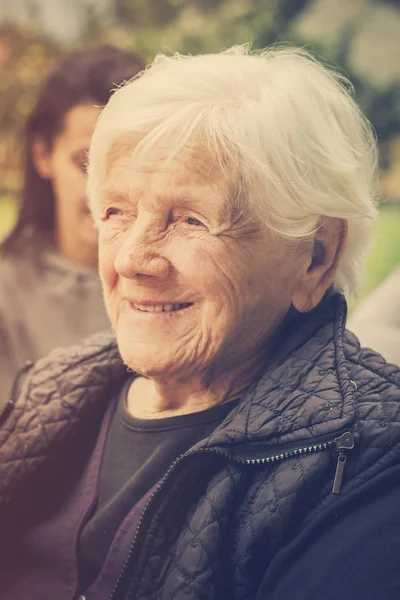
x=25 y=58
x=147 y=13
x=382 y=107
x=384 y=254
x=7 y=214
x=194 y=26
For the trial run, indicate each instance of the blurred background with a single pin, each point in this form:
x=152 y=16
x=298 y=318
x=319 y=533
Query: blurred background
x=361 y=37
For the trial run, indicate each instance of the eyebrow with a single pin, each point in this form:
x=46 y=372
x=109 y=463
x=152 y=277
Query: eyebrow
x=220 y=210
x=185 y=199
x=110 y=195
x=182 y=198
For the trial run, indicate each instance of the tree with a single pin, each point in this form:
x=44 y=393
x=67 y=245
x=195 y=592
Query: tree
x=25 y=58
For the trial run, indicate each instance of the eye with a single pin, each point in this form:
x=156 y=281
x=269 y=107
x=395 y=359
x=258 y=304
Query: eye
x=80 y=160
x=194 y=222
x=109 y=212
x=82 y=166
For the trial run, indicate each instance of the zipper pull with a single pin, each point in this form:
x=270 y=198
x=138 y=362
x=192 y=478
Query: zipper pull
x=343 y=443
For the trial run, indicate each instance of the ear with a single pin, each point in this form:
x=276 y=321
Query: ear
x=322 y=261
x=41 y=156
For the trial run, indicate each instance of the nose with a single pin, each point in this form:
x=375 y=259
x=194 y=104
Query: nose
x=140 y=254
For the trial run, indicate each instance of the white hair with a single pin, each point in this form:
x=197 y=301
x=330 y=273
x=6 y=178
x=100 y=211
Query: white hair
x=286 y=125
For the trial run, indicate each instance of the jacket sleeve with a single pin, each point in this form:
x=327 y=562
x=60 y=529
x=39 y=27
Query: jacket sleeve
x=354 y=556
x=8 y=364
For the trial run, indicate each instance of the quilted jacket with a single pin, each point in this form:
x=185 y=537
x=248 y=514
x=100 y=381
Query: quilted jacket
x=323 y=418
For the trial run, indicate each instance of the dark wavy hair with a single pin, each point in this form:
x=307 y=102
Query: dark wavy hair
x=88 y=75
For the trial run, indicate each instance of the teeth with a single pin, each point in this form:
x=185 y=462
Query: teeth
x=160 y=307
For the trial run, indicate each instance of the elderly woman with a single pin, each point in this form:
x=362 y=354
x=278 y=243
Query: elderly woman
x=233 y=441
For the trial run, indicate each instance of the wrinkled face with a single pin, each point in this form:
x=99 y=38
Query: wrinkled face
x=66 y=165
x=190 y=286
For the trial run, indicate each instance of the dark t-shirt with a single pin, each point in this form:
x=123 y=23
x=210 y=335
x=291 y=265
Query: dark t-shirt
x=137 y=454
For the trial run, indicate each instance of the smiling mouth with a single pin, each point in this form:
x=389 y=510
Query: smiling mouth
x=160 y=307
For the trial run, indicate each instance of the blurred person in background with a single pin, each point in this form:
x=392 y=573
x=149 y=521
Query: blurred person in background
x=376 y=321
x=50 y=294
x=230 y=440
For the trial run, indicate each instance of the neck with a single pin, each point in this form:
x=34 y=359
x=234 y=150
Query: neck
x=158 y=397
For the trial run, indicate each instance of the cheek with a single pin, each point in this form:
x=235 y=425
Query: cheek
x=216 y=276
x=69 y=184
x=204 y=266
x=273 y=282
x=257 y=281
x=107 y=254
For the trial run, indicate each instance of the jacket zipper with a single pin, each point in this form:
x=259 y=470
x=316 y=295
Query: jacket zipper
x=16 y=388
x=342 y=444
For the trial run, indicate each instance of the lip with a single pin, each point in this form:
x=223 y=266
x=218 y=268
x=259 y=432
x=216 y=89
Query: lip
x=156 y=302
x=147 y=303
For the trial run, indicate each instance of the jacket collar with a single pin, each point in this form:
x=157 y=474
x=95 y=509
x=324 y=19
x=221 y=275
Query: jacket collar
x=305 y=391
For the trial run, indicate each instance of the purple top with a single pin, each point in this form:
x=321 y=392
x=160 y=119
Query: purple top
x=50 y=566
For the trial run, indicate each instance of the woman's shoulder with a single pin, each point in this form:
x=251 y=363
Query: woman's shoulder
x=18 y=280
x=386 y=295
x=61 y=390
x=97 y=351
x=20 y=260
x=376 y=321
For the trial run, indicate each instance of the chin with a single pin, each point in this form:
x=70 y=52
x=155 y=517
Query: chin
x=146 y=360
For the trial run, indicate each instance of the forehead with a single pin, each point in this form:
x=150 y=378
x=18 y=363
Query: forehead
x=192 y=166
x=79 y=123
